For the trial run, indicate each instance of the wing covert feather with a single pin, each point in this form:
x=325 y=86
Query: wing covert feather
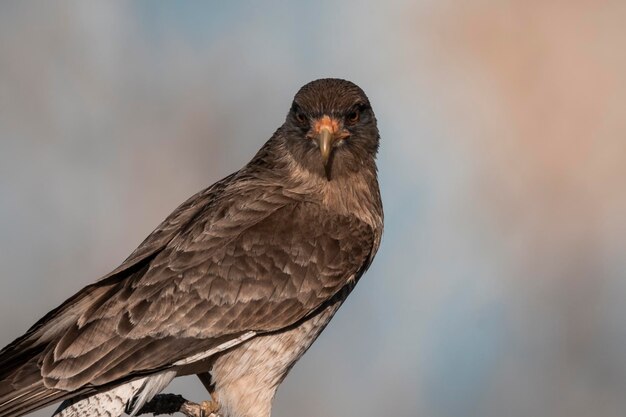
x=246 y=263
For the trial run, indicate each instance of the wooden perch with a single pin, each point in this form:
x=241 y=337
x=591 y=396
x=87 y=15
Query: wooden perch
x=173 y=403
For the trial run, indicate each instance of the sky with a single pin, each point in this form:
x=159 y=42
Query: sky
x=499 y=285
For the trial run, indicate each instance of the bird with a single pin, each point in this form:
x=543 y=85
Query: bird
x=233 y=286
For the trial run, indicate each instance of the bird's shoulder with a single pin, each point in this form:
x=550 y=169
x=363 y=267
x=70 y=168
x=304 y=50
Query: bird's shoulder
x=251 y=215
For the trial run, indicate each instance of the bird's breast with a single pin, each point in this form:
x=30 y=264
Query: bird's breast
x=247 y=376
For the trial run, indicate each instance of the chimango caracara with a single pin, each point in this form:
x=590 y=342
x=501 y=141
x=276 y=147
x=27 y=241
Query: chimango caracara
x=234 y=286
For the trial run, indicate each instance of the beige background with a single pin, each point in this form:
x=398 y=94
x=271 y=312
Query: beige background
x=500 y=286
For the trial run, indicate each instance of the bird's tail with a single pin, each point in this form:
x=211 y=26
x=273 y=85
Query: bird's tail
x=22 y=389
x=17 y=402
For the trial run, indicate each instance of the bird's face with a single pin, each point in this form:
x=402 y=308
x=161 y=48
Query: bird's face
x=331 y=128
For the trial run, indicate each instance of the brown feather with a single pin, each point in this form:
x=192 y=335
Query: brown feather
x=264 y=250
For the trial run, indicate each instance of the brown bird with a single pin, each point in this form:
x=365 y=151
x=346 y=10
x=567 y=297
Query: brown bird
x=233 y=286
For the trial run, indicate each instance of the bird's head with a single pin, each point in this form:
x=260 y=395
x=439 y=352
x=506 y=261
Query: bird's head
x=331 y=128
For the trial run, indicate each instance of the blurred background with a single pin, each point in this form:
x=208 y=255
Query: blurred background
x=500 y=286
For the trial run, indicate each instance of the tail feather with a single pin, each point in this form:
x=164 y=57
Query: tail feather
x=17 y=402
x=22 y=389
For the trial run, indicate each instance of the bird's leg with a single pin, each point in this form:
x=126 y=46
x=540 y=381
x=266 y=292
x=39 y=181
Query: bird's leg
x=209 y=407
x=205 y=378
x=171 y=403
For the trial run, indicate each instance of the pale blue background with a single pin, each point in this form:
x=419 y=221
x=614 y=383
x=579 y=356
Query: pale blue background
x=499 y=288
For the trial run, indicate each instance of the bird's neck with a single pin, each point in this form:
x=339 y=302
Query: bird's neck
x=352 y=193
x=357 y=195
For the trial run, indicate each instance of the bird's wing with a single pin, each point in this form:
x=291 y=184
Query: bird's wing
x=21 y=385
x=255 y=261
x=173 y=224
x=57 y=321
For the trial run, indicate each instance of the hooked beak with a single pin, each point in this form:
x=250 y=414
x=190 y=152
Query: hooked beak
x=325 y=140
x=326 y=132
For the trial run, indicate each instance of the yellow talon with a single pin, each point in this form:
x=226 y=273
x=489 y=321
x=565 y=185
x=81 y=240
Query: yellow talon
x=209 y=408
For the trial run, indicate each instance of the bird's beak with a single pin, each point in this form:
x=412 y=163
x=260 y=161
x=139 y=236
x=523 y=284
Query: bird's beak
x=326 y=132
x=325 y=140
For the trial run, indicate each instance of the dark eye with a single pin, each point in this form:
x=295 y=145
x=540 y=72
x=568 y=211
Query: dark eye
x=353 y=117
x=301 y=118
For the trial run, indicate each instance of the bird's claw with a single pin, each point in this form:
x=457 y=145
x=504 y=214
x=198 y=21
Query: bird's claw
x=209 y=409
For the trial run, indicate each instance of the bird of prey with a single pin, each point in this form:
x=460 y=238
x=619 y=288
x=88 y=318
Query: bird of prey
x=233 y=286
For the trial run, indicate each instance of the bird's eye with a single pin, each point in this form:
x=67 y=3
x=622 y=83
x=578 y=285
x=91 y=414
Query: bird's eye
x=353 y=117
x=301 y=118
